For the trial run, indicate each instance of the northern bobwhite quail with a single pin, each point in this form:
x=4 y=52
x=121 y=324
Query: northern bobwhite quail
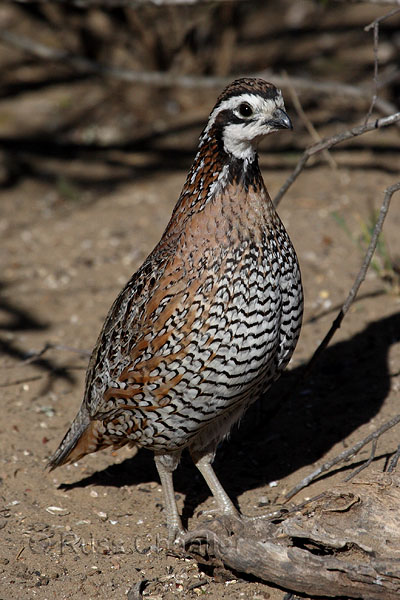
x=212 y=316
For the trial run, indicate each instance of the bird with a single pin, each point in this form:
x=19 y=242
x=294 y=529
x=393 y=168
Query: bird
x=211 y=318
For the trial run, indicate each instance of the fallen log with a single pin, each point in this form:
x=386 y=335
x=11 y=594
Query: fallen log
x=344 y=542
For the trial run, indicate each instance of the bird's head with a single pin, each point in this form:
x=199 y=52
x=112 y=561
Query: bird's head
x=246 y=111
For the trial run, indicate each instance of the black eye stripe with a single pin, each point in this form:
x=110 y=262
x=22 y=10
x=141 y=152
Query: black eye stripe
x=228 y=117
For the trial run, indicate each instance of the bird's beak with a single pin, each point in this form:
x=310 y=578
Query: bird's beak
x=280 y=120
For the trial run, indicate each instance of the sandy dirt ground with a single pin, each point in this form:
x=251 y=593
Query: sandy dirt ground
x=96 y=528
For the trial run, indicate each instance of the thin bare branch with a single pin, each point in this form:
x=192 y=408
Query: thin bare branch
x=394 y=460
x=375 y=26
x=342 y=457
x=367 y=462
x=332 y=141
x=383 y=18
x=376 y=69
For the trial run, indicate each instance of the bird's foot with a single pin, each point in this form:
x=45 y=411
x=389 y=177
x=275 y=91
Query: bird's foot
x=212 y=512
x=176 y=536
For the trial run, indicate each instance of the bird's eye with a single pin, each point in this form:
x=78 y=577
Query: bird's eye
x=245 y=110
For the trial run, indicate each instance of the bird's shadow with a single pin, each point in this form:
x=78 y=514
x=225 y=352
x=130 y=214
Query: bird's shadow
x=276 y=438
x=21 y=320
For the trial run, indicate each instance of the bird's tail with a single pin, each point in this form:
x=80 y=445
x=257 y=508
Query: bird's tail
x=83 y=437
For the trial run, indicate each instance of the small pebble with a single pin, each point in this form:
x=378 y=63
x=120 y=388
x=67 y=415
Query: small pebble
x=47 y=410
x=83 y=522
x=57 y=510
x=94 y=494
x=263 y=501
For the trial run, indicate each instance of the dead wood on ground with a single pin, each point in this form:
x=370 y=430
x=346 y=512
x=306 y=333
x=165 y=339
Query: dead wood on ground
x=344 y=542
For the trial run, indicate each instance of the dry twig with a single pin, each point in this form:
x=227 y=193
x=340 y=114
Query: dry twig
x=343 y=456
x=376 y=69
x=375 y=26
x=383 y=18
x=367 y=462
x=394 y=460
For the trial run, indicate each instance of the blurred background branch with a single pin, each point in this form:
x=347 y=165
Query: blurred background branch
x=157 y=78
x=107 y=79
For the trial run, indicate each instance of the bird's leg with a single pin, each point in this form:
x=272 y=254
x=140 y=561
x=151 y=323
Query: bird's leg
x=166 y=465
x=203 y=463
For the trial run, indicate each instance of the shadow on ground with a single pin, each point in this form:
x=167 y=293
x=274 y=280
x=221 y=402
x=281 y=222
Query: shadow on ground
x=20 y=320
